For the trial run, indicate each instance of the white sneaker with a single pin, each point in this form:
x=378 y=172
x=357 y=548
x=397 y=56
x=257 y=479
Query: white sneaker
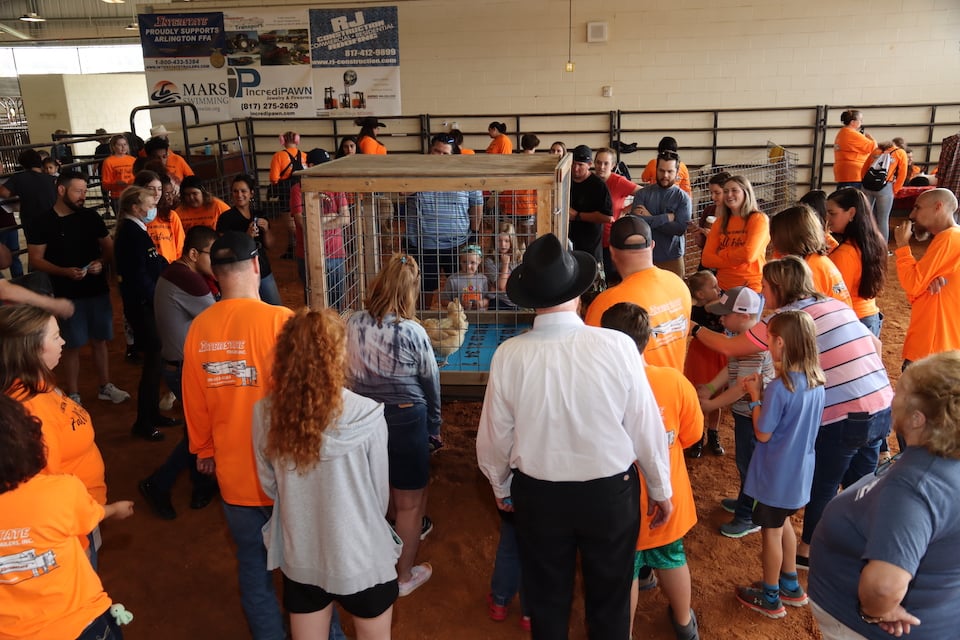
x=113 y=394
x=419 y=575
x=166 y=402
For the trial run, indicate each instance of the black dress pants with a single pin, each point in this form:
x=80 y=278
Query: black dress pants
x=600 y=519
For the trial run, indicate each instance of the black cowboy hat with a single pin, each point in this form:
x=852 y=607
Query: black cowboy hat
x=549 y=276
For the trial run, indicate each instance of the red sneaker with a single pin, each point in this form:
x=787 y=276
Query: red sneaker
x=525 y=623
x=497 y=612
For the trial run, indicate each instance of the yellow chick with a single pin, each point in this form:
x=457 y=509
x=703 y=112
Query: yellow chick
x=447 y=334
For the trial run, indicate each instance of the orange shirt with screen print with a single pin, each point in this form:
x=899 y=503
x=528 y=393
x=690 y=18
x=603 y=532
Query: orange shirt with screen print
x=847 y=257
x=683 y=420
x=167 y=236
x=827 y=279
x=227 y=360
x=206 y=214
x=48 y=589
x=739 y=252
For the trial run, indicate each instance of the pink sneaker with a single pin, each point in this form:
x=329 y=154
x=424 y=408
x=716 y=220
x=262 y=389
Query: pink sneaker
x=418 y=575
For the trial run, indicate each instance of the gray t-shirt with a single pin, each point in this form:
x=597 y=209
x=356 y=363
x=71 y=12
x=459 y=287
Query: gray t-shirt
x=909 y=517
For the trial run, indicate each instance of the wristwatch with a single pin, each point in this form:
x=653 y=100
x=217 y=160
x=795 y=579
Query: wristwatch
x=866 y=618
x=695 y=330
x=756 y=403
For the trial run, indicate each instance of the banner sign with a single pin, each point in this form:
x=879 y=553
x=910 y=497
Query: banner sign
x=274 y=63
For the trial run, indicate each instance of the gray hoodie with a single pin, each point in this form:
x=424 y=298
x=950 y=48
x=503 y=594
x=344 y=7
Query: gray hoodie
x=328 y=526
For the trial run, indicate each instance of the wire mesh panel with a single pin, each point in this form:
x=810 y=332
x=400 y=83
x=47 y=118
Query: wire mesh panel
x=466 y=220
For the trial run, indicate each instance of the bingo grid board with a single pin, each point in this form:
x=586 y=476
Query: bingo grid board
x=478 y=346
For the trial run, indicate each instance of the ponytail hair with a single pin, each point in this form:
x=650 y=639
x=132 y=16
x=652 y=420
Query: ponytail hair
x=499 y=126
x=289 y=137
x=849 y=116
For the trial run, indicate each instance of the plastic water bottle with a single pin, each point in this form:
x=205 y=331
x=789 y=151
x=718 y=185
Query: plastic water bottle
x=207 y=147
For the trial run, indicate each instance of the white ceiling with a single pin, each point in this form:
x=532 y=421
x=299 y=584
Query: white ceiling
x=67 y=21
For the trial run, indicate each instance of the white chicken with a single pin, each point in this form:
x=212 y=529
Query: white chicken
x=447 y=334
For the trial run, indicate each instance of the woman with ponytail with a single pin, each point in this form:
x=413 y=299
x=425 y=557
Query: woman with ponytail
x=367 y=138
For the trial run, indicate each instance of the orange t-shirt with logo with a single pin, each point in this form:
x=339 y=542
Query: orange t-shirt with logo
x=847 y=257
x=666 y=299
x=177 y=167
x=850 y=149
x=48 y=588
x=227 y=360
x=116 y=169
x=933 y=316
x=203 y=215
x=683 y=420
x=739 y=252
x=69 y=438
x=827 y=278
x=168 y=236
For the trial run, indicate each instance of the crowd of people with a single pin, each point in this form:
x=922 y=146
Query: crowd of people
x=317 y=432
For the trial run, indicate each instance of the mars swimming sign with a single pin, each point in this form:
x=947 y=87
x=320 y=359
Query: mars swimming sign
x=275 y=63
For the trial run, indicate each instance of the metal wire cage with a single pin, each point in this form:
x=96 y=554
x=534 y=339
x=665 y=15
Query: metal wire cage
x=466 y=219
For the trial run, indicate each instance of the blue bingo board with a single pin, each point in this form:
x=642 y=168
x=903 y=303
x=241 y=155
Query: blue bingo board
x=478 y=346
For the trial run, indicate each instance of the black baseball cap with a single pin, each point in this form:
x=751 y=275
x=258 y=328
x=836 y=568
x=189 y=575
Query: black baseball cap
x=624 y=228
x=231 y=247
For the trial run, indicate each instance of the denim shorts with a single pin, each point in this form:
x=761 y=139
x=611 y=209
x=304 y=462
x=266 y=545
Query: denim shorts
x=369 y=603
x=408 y=448
x=669 y=556
x=92 y=319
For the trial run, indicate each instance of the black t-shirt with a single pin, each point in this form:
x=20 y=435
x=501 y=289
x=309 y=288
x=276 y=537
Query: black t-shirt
x=138 y=264
x=590 y=195
x=72 y=241
x=233 y=220
x=37 y=192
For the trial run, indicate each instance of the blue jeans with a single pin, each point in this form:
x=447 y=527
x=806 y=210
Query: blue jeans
x=336 y=277
x=744 y=443
x=269 y=292
x=180 y=458
x=874 y=323
x=882 y=203
x=257 y=595
x=849 y=185
x=11 y=238
x=846 y=451
x=505 y=582
x=104 y=627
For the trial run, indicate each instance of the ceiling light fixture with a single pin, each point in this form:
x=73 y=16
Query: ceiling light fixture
x=32 y=17
x=133 y=26
x=114 y=1
x=570 y=66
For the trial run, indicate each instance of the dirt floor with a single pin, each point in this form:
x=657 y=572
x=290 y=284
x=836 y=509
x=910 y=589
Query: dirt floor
x=179 y=577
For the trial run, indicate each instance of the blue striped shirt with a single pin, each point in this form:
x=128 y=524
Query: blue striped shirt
x=440 y=219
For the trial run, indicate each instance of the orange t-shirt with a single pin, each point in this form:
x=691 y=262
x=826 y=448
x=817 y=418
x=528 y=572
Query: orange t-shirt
x=500 y=144
x=177 y=167
x=518 y=202
x=827 y=278
x=202 y=215
x=850 y=149
x=69 y=437
x=683 y=420
x=371 y=146
x=667 y=299
x=467 y=152
x=48 y=589
x=117 y=169
x=933 y=316
x=168 y=236
x=847 y=257
x=227 y=359
x=739 y=253
x=649 y=176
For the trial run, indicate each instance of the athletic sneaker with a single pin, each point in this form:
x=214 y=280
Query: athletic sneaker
x=75 y=397
x=426 y=526
x=753 y=598
x=497 y=612
x=803 y=563
x=419 y=575
x=737 y=528
x=525 y=623
x=729 y=505
x=648 y=583
x=113 y=394
x=795 y=598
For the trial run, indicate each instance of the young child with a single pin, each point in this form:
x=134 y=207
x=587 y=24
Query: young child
x=504 y=258
x=467 y=284
x=662 y=548
x=703 y=363
x=785 y=422
x=739 y=309
x=505 y=582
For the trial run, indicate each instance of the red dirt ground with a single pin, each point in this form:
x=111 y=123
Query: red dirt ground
x=179 y=577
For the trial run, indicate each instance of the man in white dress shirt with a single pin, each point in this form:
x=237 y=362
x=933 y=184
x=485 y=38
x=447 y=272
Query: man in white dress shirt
x=567 y=411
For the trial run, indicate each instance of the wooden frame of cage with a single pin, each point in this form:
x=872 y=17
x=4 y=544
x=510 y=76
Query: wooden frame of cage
x=365 y=175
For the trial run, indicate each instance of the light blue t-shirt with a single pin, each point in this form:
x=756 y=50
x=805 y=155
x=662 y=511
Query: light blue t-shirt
x=781 y=469
x=909 y=517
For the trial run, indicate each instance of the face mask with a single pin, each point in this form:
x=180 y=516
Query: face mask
x=151 y=215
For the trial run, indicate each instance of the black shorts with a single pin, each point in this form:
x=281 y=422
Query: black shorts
x=369 y=603
x=769 y=517
x=408 y=447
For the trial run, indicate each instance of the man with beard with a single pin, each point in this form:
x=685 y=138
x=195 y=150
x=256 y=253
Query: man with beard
x=666 y=208
x=932 y=284
x=71 y=244
x=590 y=204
